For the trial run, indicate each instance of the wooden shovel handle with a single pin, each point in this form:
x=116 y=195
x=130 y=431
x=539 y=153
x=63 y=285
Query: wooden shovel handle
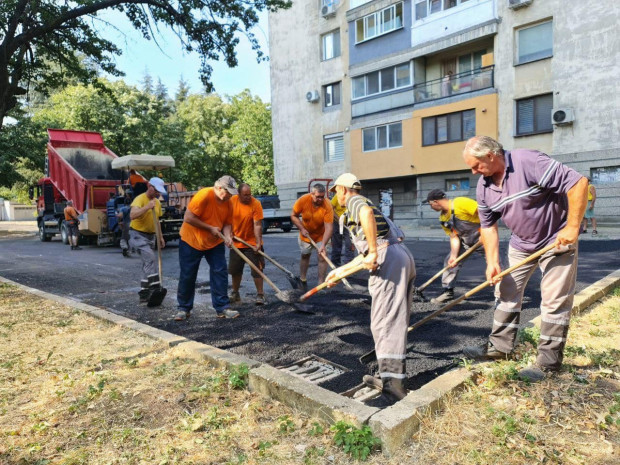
x=480 y=287
x=323 y=285
x=238 y=239
x=462 y=257
x=329 y=262
x=252 y=265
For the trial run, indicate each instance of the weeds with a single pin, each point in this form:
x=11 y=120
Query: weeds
x=238 y=376
x=286 y=425
x=359 y=443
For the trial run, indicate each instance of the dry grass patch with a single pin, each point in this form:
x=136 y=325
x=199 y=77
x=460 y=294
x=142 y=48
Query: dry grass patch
x=76 y=390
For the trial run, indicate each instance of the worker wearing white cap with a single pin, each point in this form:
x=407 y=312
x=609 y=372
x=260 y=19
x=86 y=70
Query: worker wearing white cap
x=142 y=234
x=392 y=272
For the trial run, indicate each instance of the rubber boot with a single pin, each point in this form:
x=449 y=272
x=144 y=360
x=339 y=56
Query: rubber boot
x=144 y=291
x=394 y=389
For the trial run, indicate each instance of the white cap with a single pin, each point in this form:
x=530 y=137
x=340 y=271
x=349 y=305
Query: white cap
x=158 y=184
x=346 y=180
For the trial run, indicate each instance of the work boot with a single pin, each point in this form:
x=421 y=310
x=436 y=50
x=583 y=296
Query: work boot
x=486 y=351
x=234 y=297
x=447 y=295
x=125 y=253
x=394 y=389
x=260 y=299
x=227 y=313
x=77 y=247
x=144 y=294
x=181 y=315
x=373 y=382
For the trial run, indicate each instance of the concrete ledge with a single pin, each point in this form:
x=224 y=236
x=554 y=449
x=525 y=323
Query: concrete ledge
x=396 y=424
x=304 y=396
x=214 y=356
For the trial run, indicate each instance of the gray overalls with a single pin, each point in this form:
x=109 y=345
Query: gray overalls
x=391 y=288
x=469 y=234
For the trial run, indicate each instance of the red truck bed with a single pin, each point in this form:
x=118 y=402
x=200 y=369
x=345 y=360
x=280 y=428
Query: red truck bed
x=79 y=167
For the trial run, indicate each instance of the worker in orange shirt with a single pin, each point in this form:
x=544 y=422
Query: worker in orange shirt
x=208 y=215
x=134 y=177
x=247 y=225
x=313 y=215
x=72 y=222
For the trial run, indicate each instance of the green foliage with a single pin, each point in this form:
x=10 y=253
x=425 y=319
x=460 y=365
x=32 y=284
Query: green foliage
x=357 y=442
x=22 y=157
x=251 y=141
x=48 y=42
x=238 y=376
x=285 y=425
x=530 y=335
x=317 y=429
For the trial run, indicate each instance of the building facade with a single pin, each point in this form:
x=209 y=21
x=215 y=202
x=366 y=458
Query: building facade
x=391 y=90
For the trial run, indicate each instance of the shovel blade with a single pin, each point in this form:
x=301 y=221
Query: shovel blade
x=156 y=297
x=295 y=282
x=368 y=357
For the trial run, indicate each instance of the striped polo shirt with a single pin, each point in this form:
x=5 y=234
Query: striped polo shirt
x=352 y=217
x=532 y=200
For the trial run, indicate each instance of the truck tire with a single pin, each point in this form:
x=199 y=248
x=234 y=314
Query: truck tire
x=64 y=233
x=43 y=236
x=287 y=228
x=265 y=226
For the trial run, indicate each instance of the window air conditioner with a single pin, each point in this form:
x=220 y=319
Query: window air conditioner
x=515 y=4
x=313 y=96
x=328 y=10
x=562 y=116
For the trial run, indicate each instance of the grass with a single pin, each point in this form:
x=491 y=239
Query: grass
x=76 y=390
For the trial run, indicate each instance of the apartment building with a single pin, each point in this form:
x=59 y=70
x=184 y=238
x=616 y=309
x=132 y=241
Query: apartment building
x=390 y=90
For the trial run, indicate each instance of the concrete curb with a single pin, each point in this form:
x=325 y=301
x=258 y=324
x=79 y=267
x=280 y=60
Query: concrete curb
x=394 y=425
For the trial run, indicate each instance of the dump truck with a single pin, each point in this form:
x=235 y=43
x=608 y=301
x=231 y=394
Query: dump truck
x=78 y=167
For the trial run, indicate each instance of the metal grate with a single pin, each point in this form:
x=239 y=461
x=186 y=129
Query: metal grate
x=314 y=369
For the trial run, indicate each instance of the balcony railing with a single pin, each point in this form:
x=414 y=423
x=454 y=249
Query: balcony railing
x=455 y=84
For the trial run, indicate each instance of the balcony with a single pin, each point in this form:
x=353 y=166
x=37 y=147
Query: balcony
x=457 y=84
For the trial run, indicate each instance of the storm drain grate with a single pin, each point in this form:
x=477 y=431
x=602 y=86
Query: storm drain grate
x=314 y=369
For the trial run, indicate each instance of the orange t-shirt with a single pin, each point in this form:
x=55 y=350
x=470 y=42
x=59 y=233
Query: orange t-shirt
x=134 y=178
x=70 y=214
x=208 y=208
x=244 y=217
x=313 y=218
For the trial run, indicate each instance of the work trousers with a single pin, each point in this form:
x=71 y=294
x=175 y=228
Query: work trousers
x=144 y=243
x=189 y=262
x=391 y=288
x=338 y=240
x=449 y=276
x=557 y=288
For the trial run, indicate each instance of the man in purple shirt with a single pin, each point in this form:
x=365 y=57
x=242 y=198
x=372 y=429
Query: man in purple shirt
x=542 y=202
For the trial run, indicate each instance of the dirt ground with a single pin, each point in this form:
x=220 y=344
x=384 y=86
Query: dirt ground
x=77 y=390
x=338 y=331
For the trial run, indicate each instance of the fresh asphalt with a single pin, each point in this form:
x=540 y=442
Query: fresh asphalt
x=275 y=333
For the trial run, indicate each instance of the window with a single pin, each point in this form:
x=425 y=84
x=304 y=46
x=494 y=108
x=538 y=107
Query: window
x=605 y=174
x=334 y=147
x=423 y=8
x=534 y=115
x=331 y=94
x=457 y=184
x=330 y=45
x=452 y=127
x=383 y=137
x=383 y=80
x=535 y=42
x=378 y=23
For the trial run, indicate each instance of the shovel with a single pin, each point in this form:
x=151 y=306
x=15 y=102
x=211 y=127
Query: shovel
x=156 y=296
x=330 y=263
x=370 y=356
x=323 y=285
x=283 y=297
x=292 y=279
x=419 y=297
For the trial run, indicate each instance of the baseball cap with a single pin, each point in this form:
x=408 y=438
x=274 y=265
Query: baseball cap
x=158 y=184
x=435 y=194
x=346 y=180
x=228 y=183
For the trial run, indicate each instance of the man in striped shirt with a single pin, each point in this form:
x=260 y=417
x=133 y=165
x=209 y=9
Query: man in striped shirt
x=392 y=272
x=542 y=202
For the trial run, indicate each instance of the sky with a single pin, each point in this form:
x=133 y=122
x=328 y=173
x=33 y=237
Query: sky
x=166 y=60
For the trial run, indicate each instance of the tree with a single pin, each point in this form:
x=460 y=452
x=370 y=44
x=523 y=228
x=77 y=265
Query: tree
x=206 y=120
x=36 y=33
x=250 y=138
